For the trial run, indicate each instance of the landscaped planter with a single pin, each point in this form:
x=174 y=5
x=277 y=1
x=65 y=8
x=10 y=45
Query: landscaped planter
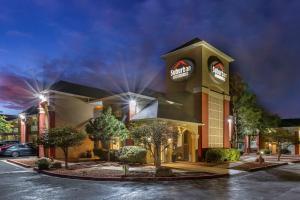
x=192 y=176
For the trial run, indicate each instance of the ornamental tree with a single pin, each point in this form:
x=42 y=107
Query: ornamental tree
x=155 y=136
x=104 y=128
x=5 y=126
x=280 y=137
x=63 y=138
x=248 y=115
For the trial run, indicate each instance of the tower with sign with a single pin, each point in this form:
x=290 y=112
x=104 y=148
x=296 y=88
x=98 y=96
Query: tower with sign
x=197 y=79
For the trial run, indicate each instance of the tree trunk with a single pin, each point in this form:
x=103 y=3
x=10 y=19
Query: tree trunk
x=66 y=158
x=279 y=151
x=96 y=144
x=157 y=160
x=249 y=144
x=108 y=152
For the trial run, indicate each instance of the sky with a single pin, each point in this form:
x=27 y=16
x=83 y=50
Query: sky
x=117 y=44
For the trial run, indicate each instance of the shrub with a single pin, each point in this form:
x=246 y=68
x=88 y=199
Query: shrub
x=232 y=154
x=43 y=163
x=163 y=172
x=102 y=154
x=55 y=165
x=266 y=151
x=87 y=154
x=285 y=151
x=221 y=155
x=132 y=154
x=83 y=155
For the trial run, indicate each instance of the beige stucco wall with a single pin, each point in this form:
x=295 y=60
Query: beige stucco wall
x=75 y=112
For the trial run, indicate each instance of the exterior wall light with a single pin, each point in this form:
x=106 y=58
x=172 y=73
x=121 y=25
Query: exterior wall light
x=229 y=120
x=42 y=98
x=22 y=116
x=132 y=102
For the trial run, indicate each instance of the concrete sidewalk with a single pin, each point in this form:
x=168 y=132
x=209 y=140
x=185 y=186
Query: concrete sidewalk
x=272 y=158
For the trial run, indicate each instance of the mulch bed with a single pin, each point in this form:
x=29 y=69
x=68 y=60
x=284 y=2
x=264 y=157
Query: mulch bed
x=100 y=170
x=98 y=173
x=253 y=166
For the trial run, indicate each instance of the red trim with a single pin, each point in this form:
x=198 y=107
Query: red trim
x=297 y=145
x=52 y=125
x=226 y=143
x=203 y=129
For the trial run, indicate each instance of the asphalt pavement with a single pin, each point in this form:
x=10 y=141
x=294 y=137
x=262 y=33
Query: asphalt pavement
x=277 y=183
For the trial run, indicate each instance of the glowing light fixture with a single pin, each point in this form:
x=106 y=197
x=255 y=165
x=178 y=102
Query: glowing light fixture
x=42 y=97
x=22 y=116
x=132 y=102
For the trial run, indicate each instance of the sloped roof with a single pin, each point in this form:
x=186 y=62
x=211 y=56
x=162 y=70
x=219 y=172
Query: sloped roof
x=162 y=109
x=151 y=93
x=33 y=110
x=77 y=89
x=193 y=41
x=10 y=117
x=295 y=122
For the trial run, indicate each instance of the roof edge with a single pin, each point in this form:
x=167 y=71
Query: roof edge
x=203 y=44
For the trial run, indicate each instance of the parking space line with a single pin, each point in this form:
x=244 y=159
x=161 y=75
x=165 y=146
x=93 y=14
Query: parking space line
x=15 y=165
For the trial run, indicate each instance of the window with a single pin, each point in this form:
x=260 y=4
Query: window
x=215 y=121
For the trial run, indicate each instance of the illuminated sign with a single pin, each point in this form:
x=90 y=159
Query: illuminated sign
x=216 y=69
x=181 y=70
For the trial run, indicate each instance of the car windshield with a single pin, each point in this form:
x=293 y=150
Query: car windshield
x=13 y=147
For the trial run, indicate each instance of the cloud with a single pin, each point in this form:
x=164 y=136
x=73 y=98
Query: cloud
x=15 y=92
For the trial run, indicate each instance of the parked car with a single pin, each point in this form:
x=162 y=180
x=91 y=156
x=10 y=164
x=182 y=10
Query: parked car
x=4 y=147
x=17 y=150
x=6 y=142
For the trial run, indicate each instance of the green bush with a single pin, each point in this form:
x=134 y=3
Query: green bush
x=55 y=165
x=285 y=151
x=266 y=151
x=163 y=172
x=132 y=154
x=43 y=163
x=221 y=155
x=103 y=154
x=215 y=155
x=232 y=155
x=87 y=154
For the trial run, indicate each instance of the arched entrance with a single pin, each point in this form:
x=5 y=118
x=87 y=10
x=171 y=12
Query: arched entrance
x=186 y=144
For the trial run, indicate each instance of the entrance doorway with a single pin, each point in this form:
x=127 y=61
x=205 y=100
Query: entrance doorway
x=186 y=142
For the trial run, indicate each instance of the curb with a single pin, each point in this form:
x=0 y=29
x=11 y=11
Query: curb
x=131 y=178
x=266 y=167
x=19 y=163
x=295 y=161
